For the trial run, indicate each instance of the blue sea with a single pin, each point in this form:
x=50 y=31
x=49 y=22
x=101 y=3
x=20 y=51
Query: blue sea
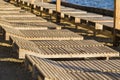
x=105 y=4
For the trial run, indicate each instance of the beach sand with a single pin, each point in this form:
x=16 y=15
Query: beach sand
x=10 y=67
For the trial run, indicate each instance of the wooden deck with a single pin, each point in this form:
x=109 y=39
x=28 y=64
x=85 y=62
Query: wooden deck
x=72 y=70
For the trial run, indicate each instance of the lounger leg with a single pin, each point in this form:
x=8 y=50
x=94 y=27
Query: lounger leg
x=107 y=58
x=94 y=32
x=31 y=8
x=58 y=18
x=116 y=41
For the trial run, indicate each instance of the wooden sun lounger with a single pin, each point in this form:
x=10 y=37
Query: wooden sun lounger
x=41 y=34
x=31 y=25
x=25 y=2
x=63 y=12
x=16 y=15
x=50 y=10
x=95 y=21
x=64 y=49
x=8 y=9
x=44 y=69
x=76 y=18
x=106 y=25
x=23 y=19
x=57 y=43
x=67 y=43
x=7 y=6
x=40 y=4
x=10 y=12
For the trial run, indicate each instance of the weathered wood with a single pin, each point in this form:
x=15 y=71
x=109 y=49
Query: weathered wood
x=21 y=13
x=23 y=19
x=76 y=18
x=67 y=12
x=58 y=5
x=95 y=21
x=43 y=34
x=9 y=12
x=40 y=4
x=12 y=8
x=56 y=43
x=69 y=43
x=16 y=15
x=7 y=6
x=66 y=49
x=51 y=35
x=98 y=19
x=116 y=22
x=32 y=1
x=51 y=10
x=106 y=25
x=117 y=14
x=74 y=70
x=30 y=25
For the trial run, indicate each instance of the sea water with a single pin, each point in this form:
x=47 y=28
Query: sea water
x=105 y=4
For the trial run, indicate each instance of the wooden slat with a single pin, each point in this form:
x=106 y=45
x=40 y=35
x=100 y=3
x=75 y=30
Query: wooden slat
x=98 y=19
x=9 y=12
x=27 y=45
x=42 y=34
x=56 y=43
x=8 y=6
x=22 y=13
x=35 y=25
x=74 y=70
x=7 y=9
x=16 y=15
x=50 y=10
x=24 y=19
x=78 y=52
x=94 y=21
x=51 y=35
x=67 y=12
x=105 y=25
x=69 y=43
x=108 y=24
x=29 y=24
x=86 y=15
x=67 y=49
x=76 y=18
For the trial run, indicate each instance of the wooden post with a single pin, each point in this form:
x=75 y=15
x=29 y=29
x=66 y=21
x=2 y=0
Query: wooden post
x=31 y=6
x=116 y=19
x=32 y=1
x=42 y=1
x=58 y=9
x=58 y=5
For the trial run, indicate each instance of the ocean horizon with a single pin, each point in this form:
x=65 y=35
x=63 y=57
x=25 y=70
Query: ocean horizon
x=104 y=4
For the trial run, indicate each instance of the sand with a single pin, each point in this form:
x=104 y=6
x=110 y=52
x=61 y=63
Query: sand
x=10 y=67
